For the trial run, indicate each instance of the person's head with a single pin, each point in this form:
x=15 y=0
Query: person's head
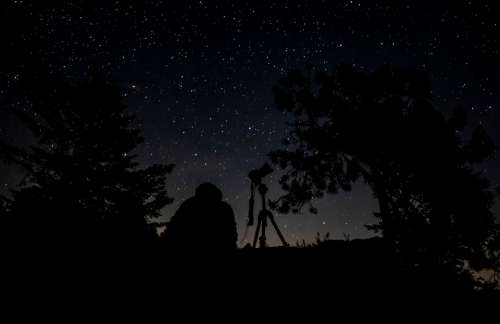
x=208 y=192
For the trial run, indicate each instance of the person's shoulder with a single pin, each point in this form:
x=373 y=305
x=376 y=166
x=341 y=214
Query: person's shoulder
x=225 y=207
x=188 y=202
x=186 y=205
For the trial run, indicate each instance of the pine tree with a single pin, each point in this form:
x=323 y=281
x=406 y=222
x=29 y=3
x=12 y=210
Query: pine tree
x=82 y=183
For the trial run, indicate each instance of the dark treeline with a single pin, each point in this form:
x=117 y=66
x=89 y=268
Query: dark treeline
x=82 y=185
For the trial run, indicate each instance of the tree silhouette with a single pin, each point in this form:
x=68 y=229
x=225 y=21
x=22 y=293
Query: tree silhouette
x=383 y=128
x=82 y=183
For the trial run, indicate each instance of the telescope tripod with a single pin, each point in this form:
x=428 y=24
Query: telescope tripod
x=263 y=217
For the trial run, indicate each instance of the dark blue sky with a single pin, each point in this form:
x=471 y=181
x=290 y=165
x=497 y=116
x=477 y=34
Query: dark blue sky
x=198 y=74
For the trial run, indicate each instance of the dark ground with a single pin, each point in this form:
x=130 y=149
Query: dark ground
x=330 y=278
x=330 y=267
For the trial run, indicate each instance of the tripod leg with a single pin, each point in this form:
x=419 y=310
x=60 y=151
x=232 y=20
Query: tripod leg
x=271 y=217
x=262 y=239
x=257 y=230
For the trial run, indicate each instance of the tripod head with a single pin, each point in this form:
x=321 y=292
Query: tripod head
x=262 y=188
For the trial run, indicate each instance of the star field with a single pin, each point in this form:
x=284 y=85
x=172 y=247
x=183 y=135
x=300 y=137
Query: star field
x=198 y=75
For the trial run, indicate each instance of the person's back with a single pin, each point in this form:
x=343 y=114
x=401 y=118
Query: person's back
x=203 y=222
x=223 y=227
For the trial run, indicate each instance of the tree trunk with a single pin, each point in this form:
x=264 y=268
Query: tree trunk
x=387 y=221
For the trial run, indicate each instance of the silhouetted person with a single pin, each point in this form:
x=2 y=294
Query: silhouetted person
x=203 y=222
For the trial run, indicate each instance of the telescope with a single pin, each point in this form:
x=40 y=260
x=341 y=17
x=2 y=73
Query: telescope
x=256 y=177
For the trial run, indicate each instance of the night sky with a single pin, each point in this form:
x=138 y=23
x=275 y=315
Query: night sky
x=198 y=75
